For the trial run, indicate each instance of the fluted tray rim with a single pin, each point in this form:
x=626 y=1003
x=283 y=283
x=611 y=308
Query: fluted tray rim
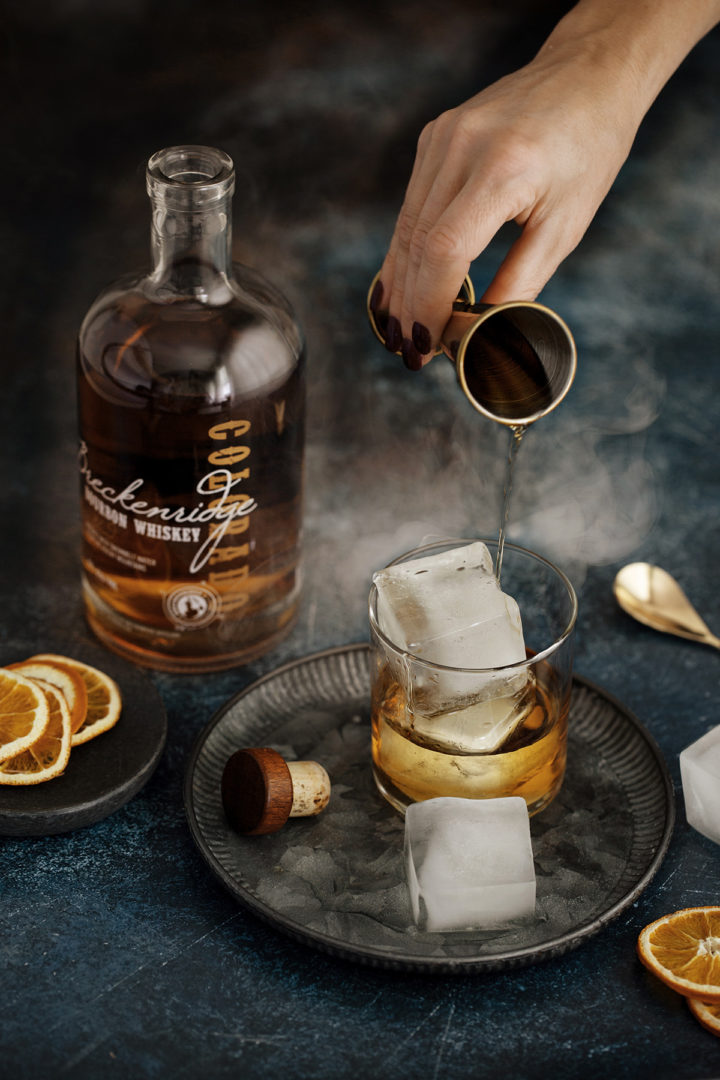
x=429 y=964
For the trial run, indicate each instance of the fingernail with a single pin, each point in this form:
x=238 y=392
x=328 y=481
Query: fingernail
x=421 y=338
x=411 y=357
x=393 y=334
x=376 y=296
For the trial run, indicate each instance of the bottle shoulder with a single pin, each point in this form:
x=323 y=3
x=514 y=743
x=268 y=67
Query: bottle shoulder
x=246 y=289
x=136 y=341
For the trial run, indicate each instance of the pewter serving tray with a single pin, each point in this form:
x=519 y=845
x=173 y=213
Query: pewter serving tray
x=336 y=882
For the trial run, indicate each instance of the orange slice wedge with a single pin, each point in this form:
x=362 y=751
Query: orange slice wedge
x=48 y=756
x=683 y=950
x=60 y=675
x=707 y=1014
x=104 y=703
x=24 y=713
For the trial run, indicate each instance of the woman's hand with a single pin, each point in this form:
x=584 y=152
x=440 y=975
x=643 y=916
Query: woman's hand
x=541 y=147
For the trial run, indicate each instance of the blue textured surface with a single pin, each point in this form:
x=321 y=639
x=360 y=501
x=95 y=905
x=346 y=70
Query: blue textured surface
x=120 y=954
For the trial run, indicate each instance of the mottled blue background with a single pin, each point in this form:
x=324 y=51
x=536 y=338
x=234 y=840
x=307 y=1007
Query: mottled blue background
x=120 y=954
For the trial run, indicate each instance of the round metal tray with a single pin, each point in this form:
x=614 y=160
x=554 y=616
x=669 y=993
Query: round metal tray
x=336 y=882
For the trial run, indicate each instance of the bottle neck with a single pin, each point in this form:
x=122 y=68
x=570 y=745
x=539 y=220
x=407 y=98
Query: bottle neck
x=191 y=191
x=191 y=251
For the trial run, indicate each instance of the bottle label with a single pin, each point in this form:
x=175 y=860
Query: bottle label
x=193 y=553
x=190 y=607
x=127 y=510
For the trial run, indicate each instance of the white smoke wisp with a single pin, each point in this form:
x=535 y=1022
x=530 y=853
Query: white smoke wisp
x=585 y=493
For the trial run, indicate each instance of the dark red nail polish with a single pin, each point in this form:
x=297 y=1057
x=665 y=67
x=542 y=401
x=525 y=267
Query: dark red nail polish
x=393 y=334
x=411 y=357
x=381 y=321
x=376 y=296
x=421 y=338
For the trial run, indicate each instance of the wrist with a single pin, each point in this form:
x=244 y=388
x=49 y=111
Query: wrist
x=634 y=45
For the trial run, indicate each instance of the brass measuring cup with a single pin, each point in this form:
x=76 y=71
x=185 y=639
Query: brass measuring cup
x=515 y=361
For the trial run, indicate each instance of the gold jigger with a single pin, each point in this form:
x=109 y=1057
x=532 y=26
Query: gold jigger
x=515 y=361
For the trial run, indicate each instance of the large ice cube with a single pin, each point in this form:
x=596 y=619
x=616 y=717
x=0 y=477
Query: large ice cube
x=469 y=862
x=448 y=608
x=700 y=772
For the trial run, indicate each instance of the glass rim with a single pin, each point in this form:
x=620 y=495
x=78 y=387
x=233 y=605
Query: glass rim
x=550 y=650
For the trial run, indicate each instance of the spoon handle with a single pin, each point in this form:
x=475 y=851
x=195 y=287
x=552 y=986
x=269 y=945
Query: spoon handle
x=706 y=638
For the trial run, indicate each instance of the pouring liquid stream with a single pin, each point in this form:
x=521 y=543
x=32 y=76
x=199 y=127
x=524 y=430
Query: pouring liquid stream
x=516 y=435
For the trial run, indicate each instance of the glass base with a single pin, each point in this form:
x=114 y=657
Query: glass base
x=400 y=801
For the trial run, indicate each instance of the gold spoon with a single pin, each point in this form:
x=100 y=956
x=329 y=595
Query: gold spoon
x=653 y=597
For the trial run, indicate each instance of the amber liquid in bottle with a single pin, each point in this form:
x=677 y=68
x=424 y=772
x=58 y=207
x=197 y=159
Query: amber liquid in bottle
x=191 y=406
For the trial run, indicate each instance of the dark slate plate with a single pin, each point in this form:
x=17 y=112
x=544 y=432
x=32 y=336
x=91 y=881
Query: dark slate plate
x=103 y=774
x=337 y=882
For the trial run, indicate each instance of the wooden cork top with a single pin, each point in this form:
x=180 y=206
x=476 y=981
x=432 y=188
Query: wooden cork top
x=257 y=791
x=260 y=790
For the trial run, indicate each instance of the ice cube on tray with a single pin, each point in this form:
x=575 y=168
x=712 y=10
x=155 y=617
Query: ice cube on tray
x=700 y=773
x=469 y=863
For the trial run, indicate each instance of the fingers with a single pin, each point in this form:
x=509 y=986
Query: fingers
x=406 y=237
x=510 y=154
x=461 y=233
x=529 y=264
x=434 y=244
x=538 y=251
x=455 y=203
x=439 y=258
x=441 y=269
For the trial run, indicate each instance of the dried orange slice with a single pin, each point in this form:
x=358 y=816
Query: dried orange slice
x=103 y=697
x=58 y=673
x=24 y=713
x=706 y=1013
x=683 y=949
x=47 y=757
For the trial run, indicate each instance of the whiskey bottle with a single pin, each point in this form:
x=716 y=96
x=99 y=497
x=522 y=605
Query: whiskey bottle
x=191 y=397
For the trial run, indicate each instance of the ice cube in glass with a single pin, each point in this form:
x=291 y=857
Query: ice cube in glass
x=448 y=608
x=470 y=732
x=700 y=773
x=469 y=862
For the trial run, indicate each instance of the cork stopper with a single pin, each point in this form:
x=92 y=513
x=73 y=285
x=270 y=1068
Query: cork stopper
x=260 y=790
